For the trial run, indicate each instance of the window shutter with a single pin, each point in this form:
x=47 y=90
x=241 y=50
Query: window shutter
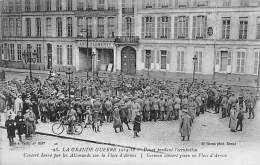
x=153 y=27
x=229 y=57
x=206 y=27
x=143 y=27
x=218 y=58
x=169 y=28
x=168 y=57
x=124 y=30
x=178 y=61
x=182 y=60
x=158 y=57
x=200 y=61
x=152 y=56
x=194 y=27
x=187 y=26
x=159 y=20
x=175 y=27
x=143 y=53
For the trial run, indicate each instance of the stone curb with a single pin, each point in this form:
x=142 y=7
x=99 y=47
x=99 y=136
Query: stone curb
x=92 y=141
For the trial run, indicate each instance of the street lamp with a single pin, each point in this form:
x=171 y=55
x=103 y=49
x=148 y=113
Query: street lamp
x=68 y=75
x=195 y=58
x=31 y=57
x=148 y=56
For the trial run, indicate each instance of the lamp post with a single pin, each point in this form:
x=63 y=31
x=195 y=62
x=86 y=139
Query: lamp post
x=93 y=54
x=68 y=74
x=148 y=56
x=31 y=57
x=258 y=77
x=195 y=58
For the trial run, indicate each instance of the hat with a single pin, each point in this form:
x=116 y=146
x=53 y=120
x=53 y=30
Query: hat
x=185 y=110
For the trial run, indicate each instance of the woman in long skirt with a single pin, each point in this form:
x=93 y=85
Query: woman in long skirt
x=137 y=124
x=233 y=119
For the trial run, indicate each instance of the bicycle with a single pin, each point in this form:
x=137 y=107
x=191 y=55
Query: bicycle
x=59 y=127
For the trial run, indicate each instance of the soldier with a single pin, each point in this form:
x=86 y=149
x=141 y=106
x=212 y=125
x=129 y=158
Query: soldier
x=116 y=118
x=224 y=106
x=20 y=124
x=185 y=125
x=162 y=108
x=137 y=124
x=147 y=108
x=251 y=106
x=10 y=127
x=108 y=107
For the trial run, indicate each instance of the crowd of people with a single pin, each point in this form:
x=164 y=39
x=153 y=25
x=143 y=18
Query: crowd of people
x=94 y=101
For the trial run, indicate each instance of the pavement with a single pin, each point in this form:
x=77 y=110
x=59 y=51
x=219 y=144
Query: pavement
x=220 y=78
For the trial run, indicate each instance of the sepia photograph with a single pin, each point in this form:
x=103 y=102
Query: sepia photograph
x=129 y=82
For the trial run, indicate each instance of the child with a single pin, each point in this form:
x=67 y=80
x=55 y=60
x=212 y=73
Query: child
x=10 y=127
x=137 y=124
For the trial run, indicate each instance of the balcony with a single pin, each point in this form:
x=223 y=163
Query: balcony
x=128 y=11
x=201 y=4
x=132 y=40
x=182 y=4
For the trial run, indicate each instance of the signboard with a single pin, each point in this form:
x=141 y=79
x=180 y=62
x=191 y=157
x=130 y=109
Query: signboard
x=96 y=44
x=210 y=31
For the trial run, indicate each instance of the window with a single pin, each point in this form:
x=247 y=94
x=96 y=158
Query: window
x=180 y=60
x=111 y=4
x=59 y=54
x=257 y=60
x=48 y=5
x=241 y=61
x=225 y=28
x=89 y=27
x=258 y=27
x=89 y=4
x=69 y=54
x=18 y=27
x=226 y=3
x=80 y=25
x=223 y=59
x=18 y=5
x=181 y=27
x=199 y=27
x=163 y=3
x=69 y=5
x=19 y=52
x=69 y=27
x=148 y=3
x=6 y=52
x=100 y=28
x=12 y=52
x=27 y=5
x=49 y=56
x=164 y=27
x=5 y=31
x=243 y=23
x=28 y=27
x=128 y=26
x=11 y=6
x=101 y=5
x=37 y=5
x=38 y=27
x=12 y=29
x=244 y=3
x=198 y=62
x=148 y=27
x=48 y=27
x=80 y=5
x=39 y=52
x=59 y=26
x=163 y=59
x=126 y=4
x=111 y=27
x=58 y=5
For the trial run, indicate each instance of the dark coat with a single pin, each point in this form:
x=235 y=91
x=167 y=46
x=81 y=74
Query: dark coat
x=137 y=124
x=10 y=126
x=20 y=124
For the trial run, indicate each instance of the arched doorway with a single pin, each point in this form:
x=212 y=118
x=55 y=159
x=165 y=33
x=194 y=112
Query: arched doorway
x=128 y=60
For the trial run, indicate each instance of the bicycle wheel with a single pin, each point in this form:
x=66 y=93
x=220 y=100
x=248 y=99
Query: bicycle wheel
x=78 y=129
x=57 y=128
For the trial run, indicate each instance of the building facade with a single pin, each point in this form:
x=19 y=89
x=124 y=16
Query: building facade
x=134 y=35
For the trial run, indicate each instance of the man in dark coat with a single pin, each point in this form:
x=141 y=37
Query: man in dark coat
x=137 y=124
x=35 y=109
x=240 y=117
x=20 y=125
x=10 y=127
